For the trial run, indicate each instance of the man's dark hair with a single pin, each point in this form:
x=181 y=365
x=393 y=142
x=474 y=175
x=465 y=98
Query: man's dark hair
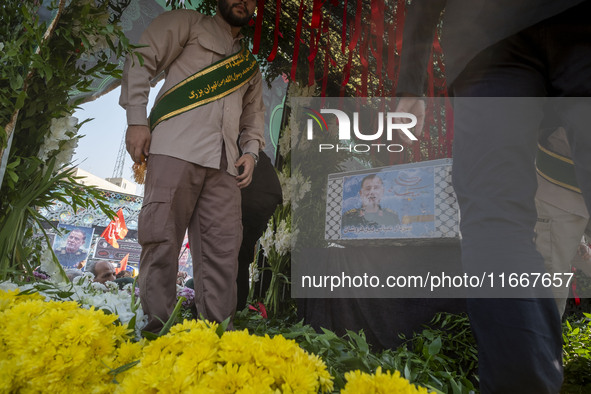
x=369 y=178
x=79 y=231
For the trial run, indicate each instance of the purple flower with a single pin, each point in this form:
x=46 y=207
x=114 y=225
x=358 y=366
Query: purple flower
x=40 y=275
x=189 y=295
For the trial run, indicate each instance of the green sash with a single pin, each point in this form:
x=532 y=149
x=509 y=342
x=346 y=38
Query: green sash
x=557 y=169
x=212 y=83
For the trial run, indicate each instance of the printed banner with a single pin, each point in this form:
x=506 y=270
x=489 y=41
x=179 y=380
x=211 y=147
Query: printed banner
x=105 y=251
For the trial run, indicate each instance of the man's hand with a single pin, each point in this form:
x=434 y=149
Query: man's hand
x=137 y=142
x=247 y=162
x=415 y=106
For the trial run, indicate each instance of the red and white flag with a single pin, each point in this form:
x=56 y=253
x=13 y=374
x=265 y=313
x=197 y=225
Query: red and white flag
x=115 y=230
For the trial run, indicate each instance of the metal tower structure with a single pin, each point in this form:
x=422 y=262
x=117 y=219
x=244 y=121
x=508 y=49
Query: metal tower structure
x=120 y=162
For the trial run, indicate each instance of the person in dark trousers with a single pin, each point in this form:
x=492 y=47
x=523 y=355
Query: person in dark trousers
x=259 y=201
x=501 y=58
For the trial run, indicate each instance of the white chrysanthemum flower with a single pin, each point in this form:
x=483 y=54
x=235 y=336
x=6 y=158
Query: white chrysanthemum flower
x=1 y=46
x=112 y=286
x=84 y=280
x=98 y=286
x=8 y=286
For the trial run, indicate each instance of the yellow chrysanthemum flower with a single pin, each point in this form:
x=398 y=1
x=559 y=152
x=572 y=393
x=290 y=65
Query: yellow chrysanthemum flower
x=236 y=347
x=229 y=378
x=299 y=379
x=56 y=346
x=129 y=352
x=198 y=361
x=9 y=298
x=187 y=353
x=379 y=383
x=60 y=347
x=188 y=325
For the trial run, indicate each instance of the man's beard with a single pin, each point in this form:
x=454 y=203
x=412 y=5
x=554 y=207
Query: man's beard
x=225 y=7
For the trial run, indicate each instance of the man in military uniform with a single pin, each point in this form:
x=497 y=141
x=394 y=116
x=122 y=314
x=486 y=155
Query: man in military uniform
x=563 y=218
x=71 y=255
x=371 y=213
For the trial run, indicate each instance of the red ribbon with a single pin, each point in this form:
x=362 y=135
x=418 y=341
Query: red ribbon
x=316 y=14
x=296 y=45
x=256 y=41
x=357 y=28
x=276 y=33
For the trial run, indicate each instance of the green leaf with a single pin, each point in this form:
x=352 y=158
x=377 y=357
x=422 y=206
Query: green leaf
x=407 y=373
x=17 y=83
x=64 y=294
x=360 y=342
x=20 y=100
x=222 y=327
x=455 y=387
x=13 y=176
x=150 y=336
x=131 y=324
x=433 y=389
x=123 y=368
x=435 y=346
x=173 y=317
